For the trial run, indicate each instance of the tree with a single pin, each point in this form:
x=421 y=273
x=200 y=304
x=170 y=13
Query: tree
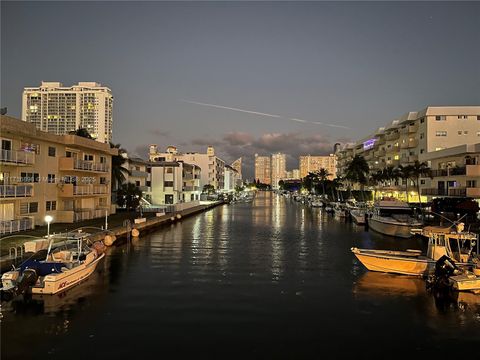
x=310 y=181
x=129 y=196
x=81 y=132
x=281 y=185
x=375 y=179
x=118 y=169
x=208 y=189
x=404 y=172
x=323 y=175
x=419 y=170
x=357 y=172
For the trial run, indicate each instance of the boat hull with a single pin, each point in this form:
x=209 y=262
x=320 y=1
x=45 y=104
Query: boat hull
x=466 y=283
x=59 y=282
x=387 y=262
x=358 y=218
x=397 y=230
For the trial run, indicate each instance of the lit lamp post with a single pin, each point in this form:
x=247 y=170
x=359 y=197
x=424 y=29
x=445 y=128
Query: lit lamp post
x=48 y=219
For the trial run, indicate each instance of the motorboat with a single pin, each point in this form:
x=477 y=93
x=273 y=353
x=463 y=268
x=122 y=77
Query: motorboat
x=456 y=244
x=339 y=210
x=394 y=218
x=358 y=215
x=57 y=268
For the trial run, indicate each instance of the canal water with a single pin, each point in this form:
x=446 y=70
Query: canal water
x=268 y=279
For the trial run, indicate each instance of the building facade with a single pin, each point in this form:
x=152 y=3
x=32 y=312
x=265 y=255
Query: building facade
x=57 y=109
x=174 y=182
x=311 y=164
x=415 y=136
x=279 y=169
x=65 y=176
x=263 y=169
x=237 y=165
x=212 y=166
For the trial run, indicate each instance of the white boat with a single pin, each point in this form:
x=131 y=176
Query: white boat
x=457 y=245
x=394 y=218
x=49 y=271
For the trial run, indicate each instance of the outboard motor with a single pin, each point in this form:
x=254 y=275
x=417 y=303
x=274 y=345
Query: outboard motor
x=444 y=268
x=26 y=280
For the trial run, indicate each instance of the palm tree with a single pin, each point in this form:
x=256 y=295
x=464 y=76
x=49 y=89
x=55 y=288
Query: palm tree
x=118 y=170
x=310 y=181
x=375 y=179
x=357 y=172
x=419 y=170
x=129 y=195
x=405 y=172
x=389 y=174
x=322 y=176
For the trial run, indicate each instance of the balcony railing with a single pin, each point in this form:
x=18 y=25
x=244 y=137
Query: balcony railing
x=14 y=191
x=449 y=172
x=10 y=226
x=459 y=191
x=66 y=163
x=392 y=136
x=89 y=190
x=17 y=157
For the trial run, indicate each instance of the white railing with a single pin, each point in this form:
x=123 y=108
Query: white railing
x=16 y=157
x=87 y=214
x=13 y=191
x=89 y=190
x=89 y=165
x=10 y=226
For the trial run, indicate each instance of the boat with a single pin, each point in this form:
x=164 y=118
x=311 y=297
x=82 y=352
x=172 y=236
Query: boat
x=339 y=210
x=394 y=218
x=57 y=268
x=358 y=216
x=456 y=244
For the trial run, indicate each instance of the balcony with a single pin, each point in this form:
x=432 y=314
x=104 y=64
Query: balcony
x=473 y=192
x=473 y=170
x=380 y=152
x=16 y=191
x=409 y=144
x=70 y=216
x=392 y=136
x=449 y=172
x=412 y=158
x=17 y=157
x=11 y=226
x=71 y=164
x=70 y=190
x=413 y=128
x=458 y=191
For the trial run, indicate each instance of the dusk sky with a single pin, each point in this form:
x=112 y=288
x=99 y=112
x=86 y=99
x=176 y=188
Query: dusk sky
x=247 y=77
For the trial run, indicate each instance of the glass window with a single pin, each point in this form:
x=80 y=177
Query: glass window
x=51 y=151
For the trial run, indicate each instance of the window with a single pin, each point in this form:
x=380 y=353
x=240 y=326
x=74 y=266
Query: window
x=103 y=180
x=441 y=133
x=88 y=157
x=169 y=170
x=422 y=151
x=478 y=117
x=471 y=183
x=51 y=205
x=462 y=117
x=51 y=151
x=422 y=135
x=459 y=132
x=148 y=183
x=137 y=183
x=438 y=148
x=51 y=178
x=465 y=132
x=478 y=133
x=29 y=177
x=422 y=182
x=440 y=118
x=103 y=160
x=168 y=184
x=422 y=120
x=28 y=208
x=35 y=148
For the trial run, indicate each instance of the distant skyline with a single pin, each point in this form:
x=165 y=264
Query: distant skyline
x=247 y=77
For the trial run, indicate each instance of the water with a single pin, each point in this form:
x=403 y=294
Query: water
x=268 y=279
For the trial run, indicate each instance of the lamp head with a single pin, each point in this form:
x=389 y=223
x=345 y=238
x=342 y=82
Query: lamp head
x=48 y=219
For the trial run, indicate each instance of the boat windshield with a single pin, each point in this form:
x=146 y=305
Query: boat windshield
x=391 y=212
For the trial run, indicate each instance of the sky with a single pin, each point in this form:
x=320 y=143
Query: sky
x=247 y=77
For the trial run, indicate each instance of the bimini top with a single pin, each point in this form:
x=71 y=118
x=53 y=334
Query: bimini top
x=392 y=204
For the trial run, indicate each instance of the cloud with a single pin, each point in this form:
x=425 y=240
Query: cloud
x=238 y=138
x=158 y=132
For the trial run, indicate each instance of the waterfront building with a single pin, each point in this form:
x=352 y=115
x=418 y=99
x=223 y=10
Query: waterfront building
x=279 y=168
x=311 y=164
x=455 y=172
x=232 y=179
x=414 y=136
x=174 y=182
x=58 y=109
x=263 y=169
x=211 y=165
x=237 y=165
x=138 y=173
x=65 y=176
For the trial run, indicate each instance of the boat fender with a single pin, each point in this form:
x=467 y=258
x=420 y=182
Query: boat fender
x=172 y=218
x=135 y=233
x=179 y=216
x=109 y=240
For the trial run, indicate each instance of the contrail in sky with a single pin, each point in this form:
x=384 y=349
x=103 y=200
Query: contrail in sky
x=230 y=108
x=263 y=114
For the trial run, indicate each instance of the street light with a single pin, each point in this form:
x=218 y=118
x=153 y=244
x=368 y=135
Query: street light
x=48 y=219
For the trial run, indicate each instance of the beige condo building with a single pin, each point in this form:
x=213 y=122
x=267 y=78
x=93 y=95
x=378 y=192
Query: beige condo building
x=310 y=164
x=279 y=169
x=65 y=176
x=414 y=137
x=263 y=169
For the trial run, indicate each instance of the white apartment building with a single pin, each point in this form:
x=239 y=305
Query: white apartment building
x=174 y=182
x=232 y=179
x=311 y=164
x=65 y=176
x=212 y=167
x=414 y=136
x=279 y=168
x=58 y=109
x=292 y=174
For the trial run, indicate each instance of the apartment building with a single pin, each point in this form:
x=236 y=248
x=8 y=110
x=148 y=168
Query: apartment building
x=174 y=182
x=237 y=165
x=311 y=164
x=65 y=176
x=263 y=170
x=58 y=109
x=138 y=175
x=232 y=179
x=455 y=172
x=292 y=174
x=415 y=136
x=279 y=169
x=212 y=167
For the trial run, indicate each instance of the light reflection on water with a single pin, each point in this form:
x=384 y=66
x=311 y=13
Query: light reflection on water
x=271 y=278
